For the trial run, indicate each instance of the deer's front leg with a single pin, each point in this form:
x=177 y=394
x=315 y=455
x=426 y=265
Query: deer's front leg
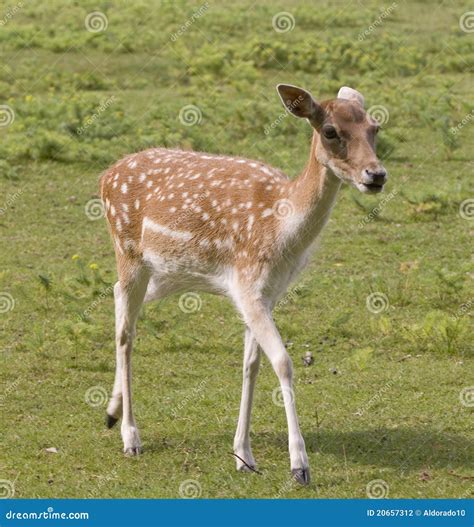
x=129 y=298
x=250 y=371
x=258 y=318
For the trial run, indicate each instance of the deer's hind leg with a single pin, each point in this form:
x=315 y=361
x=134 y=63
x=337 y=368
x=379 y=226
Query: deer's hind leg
x=129 y=293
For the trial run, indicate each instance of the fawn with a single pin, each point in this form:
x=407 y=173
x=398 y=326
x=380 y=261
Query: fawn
x=183 y=220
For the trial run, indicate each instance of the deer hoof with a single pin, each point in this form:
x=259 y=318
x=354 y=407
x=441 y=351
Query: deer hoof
x=133 y=451
x=110 y=421
x=246 y=468
x=301 y=475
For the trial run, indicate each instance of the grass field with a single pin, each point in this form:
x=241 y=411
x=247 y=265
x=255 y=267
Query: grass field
x=390 y=394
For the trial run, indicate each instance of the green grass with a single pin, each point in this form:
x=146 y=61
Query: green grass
x=382 y=399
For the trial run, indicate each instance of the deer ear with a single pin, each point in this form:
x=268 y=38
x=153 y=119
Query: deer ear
x=300 y=103
x=350 y=94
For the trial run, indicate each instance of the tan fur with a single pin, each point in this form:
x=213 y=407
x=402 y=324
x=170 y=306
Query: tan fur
x=188 y=221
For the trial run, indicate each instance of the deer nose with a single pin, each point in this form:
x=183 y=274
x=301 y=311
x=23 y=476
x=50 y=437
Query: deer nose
x=376 y=177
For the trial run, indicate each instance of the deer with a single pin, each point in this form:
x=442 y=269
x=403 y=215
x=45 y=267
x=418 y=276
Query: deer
x=190 y=221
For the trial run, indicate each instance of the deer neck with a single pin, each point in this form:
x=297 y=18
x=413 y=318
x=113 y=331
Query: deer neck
x=313 y=194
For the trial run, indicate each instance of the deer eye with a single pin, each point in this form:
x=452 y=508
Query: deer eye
x=329 y=132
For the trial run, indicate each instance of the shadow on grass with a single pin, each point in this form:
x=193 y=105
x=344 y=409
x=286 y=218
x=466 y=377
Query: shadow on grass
x=403 y=448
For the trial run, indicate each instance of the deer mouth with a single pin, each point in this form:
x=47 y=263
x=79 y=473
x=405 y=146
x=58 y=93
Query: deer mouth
x=372 y=188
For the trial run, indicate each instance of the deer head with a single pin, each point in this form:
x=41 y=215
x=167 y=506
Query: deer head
x=345 y=135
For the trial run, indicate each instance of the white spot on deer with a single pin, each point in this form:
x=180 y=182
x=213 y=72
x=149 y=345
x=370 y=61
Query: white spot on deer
x=250 y=221
x=228 y=242
x=205 y=216
x=267 y=212
x=265 y=170
x=112 y=210
x=137 y=204
x=124 y=188
x=117 y=243
x=172 y=209
x=149 y=224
